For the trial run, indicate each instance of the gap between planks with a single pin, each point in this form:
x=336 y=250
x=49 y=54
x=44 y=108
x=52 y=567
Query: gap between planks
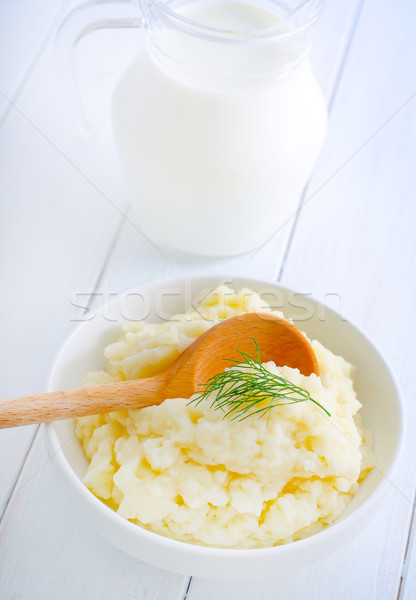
x=3 y=509
x=14 y=488
x=187 y=581
x=123 y=219
x=20 y=85
x=410 y=546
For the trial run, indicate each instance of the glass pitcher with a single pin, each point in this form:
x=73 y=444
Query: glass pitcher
x=219 y=121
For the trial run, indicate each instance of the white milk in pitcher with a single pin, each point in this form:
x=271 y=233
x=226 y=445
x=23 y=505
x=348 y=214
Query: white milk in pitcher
x=217 y=140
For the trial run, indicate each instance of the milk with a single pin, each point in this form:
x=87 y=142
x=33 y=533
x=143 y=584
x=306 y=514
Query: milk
x=217 y=140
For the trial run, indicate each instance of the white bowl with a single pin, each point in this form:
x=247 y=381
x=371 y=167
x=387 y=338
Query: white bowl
x=382 y=412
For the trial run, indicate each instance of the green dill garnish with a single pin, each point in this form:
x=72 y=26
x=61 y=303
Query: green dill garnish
x=250 y=389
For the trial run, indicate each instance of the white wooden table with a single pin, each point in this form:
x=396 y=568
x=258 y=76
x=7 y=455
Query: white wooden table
x=64 y=237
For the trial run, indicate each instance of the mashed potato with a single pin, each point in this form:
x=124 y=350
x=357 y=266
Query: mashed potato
x=184 y=471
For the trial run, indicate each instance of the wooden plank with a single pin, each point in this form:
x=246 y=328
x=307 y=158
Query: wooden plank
x=24 y=26
x=47 y=551
x=51 y=246
x=15 y=445
x=408 y=584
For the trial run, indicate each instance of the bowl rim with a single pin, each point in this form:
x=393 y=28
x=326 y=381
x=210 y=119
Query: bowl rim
x=328 y=533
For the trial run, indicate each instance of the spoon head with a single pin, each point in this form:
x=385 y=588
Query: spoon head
x=278 y=340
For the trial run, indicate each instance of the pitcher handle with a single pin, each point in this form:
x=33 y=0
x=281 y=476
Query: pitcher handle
x=79 y=23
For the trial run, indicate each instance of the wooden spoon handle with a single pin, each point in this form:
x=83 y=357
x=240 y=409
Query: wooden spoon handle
x=91 y=400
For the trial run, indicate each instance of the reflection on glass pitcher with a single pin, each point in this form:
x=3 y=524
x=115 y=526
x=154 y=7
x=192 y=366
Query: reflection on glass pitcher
x=219 y=121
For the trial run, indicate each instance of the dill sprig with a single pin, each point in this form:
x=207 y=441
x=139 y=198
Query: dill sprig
x=250 y=389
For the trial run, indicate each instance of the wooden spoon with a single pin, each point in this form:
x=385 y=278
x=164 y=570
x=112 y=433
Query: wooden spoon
x=278 y=340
